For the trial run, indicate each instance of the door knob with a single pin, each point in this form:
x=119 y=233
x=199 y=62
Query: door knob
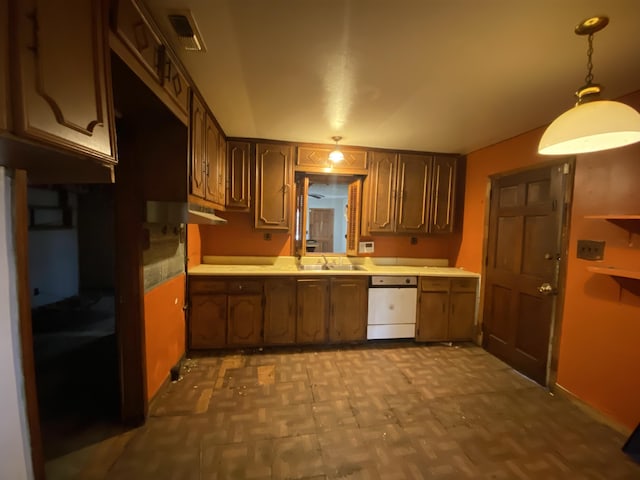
x=546 y=289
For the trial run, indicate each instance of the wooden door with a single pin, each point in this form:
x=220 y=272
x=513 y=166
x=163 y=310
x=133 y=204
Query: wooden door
x=208 y=320
x=321 y=228
x=61 y=76
x=381 y=201
x=213 y=167
x=238 y=176
x=348 y=313
x=280 y=311
x=524 y=250
x=244 y=319
x=198 y=161
x=274 y=189
x=413 y=191
x=312 y=296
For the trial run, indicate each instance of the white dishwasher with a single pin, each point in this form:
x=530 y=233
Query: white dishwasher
x=392 y=307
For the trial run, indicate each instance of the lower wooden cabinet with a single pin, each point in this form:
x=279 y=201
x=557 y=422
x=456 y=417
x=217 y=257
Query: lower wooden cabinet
x=313 y=307
x=348 y=314
x=279 y=311
x=446 y=310
x=244 y=319
x=225 y=312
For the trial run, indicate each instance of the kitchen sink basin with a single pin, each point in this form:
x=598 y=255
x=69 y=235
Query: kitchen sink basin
x=346 y=267
x=318 y=266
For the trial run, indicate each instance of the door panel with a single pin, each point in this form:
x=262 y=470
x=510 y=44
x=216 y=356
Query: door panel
x=524 y=245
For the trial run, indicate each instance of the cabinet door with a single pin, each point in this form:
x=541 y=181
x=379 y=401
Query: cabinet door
x=279 y=311
x=208 y=320
x=221 y=172
x=443 y=195
x=348 y=314
x=239 y=175
x=137 y=35
x=274 y=192
x=63 y=93
x=312 y=298
x=244 y=319
x=175 y=84
x=413 y=188
x=213 y=167
x=4 y=66
x=461 y=315
x=198 y=116
x=382 y=192
x=433 y=317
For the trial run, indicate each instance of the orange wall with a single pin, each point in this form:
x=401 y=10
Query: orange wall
x=164 y=326
x=238 y=237
x=599 y=354
x=194 y=249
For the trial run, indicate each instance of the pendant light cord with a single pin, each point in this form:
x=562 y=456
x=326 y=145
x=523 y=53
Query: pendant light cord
x=589 y=78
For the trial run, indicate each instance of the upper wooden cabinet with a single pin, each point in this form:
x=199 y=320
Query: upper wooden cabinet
x=443 y=195
x=198 y=160
x=208 y=156
x=238 y=175
x=274 y=186
x=139 y=43
x=381 y=187
x=316 y=160
x=4 y=65
x=409 y=193
x=62 y=93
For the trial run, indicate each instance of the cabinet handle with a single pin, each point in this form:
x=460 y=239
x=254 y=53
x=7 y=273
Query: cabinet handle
x=33 y=16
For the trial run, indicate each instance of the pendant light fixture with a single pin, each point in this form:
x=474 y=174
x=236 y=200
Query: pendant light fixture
x=336 y=155
x=592 y=124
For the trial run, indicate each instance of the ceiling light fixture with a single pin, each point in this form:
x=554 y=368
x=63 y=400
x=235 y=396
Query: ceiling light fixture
x=592 y=124
x=336 y=155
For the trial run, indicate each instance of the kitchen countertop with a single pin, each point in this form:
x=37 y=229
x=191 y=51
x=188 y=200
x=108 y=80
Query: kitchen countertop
x=281 y=266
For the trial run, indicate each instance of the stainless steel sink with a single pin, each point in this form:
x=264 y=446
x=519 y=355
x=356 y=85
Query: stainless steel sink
x=317 y=266
x=347 y=267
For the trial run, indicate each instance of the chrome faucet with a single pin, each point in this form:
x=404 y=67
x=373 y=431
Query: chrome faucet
x=326 y=262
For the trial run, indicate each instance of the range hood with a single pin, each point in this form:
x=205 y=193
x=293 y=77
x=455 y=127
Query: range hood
x=181 y=212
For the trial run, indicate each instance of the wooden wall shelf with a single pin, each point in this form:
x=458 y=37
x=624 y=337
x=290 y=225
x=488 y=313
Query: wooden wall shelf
x=615 y=272
x=631 y=223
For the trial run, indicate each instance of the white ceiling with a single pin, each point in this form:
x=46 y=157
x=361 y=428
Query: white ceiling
x=433 y=75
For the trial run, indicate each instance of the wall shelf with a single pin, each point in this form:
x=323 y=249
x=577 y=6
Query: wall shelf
x=615 y=272
x=631 y=223
x=627 y=279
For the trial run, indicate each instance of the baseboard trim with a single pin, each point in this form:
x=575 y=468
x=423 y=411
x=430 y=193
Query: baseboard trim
x=589 y=410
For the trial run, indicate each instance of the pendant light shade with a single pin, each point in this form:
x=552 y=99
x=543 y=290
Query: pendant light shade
x=593 y=124
x=336 y=155
x=591 y=127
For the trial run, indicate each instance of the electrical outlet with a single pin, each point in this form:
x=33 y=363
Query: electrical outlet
x=591 y=249
x=267 y=236
x=414 y=240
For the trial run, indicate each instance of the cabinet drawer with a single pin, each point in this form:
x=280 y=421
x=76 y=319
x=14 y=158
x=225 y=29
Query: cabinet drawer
x=207 y=285
x=245 y=286
x=437 y=284
x=464 y=284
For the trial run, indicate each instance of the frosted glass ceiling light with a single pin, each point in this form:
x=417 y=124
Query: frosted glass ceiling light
x=336 y=155
x=592 y=124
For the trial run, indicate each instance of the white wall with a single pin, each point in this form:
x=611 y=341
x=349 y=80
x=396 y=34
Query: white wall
x=15 y=462
x=53 y=255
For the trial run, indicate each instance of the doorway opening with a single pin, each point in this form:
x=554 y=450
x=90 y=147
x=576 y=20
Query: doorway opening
x=525 y=264
x=71 y=274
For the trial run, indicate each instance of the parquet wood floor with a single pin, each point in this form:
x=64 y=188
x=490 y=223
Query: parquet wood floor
x=385 y=411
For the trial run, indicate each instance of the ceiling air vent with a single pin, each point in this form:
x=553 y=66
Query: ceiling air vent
x=185 y=27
